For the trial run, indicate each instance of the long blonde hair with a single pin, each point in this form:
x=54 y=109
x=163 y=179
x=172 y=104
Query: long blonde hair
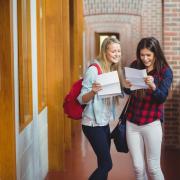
x=102 y=59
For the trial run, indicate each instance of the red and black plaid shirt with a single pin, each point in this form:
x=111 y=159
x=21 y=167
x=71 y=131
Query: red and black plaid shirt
x=146 y=109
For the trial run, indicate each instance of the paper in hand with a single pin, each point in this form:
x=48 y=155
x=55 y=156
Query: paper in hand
x=110 y=84
x=136 y=77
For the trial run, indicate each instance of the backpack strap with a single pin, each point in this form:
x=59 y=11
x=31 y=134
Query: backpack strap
x=98 y=68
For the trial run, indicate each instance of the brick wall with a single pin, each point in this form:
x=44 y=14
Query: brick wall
x=126 y=25
x=171 y=33
x=152 y=18
x=114 y=6
x=132 y=19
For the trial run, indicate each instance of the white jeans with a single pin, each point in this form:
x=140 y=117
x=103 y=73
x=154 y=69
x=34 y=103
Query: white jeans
x=145 y=142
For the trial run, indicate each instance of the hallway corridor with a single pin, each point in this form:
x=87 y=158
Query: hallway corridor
x=81 y=161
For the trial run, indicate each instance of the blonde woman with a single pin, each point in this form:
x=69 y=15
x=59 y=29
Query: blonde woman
x=98 y=112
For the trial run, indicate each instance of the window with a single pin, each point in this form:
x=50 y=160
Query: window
x=41 y=54
x=25 y=63
x=100 y=37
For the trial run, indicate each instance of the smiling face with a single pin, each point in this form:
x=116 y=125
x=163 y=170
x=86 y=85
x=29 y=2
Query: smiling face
x=148 y=58
x=113 y=53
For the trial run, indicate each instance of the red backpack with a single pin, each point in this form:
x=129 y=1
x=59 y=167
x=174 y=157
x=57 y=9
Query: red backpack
x=71 y=105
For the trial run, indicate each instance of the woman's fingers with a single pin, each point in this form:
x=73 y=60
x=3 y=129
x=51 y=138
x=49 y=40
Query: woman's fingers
x=96 y=87
x=128 y=84
x=149 y=79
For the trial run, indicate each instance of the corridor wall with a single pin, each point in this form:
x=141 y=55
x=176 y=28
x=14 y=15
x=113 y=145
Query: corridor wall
x=171 y=36
x=64 y=56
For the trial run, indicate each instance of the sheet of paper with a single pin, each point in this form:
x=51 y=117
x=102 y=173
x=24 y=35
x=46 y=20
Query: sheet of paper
x=136 y=77
x=110 y=84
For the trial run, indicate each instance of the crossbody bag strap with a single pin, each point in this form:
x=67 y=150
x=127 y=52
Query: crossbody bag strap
x=122 y=118
x=126 y=106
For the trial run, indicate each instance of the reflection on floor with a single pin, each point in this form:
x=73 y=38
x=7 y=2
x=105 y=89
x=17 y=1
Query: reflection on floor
x=81 y=162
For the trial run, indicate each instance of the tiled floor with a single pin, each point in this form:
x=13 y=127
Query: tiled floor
x=81 y=161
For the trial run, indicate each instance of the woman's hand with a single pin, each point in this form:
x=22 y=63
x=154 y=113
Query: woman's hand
x=149 y=80
x=127 y=84
x=90 y=95
x=96 y=87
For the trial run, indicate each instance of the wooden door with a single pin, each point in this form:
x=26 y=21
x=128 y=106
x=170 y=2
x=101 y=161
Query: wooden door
x=7 y=125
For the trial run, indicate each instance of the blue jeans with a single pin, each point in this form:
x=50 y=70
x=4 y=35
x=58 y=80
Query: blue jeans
x=99 y=138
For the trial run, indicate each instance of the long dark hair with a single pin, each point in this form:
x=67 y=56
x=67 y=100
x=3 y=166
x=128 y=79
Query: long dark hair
x=153 y=45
